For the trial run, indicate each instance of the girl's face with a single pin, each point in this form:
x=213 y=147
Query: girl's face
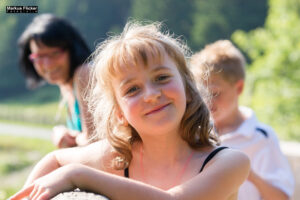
x=51 y=63
x=152 y=99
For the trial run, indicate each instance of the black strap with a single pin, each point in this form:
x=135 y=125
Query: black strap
x=126 y=173
x=262 y=131
x=210 y=156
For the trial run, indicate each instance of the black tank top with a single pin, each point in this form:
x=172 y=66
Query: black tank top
x=207 y=159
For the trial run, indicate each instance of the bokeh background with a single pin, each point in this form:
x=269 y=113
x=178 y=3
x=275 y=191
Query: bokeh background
x=266 y=31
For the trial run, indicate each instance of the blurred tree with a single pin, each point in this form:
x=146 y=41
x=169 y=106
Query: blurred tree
x=11 y=81
x=176 y=14
x=96 y=19
x=274 y=74
x=198 y=21
x=218 y=19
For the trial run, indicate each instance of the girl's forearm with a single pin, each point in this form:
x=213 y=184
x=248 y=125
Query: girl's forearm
x=48 y=164
x=113 y=186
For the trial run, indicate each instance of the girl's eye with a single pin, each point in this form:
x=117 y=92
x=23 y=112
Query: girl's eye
x=162 y=78
x=132 y=90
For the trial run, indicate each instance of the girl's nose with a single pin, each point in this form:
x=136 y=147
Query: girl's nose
x=152 y=93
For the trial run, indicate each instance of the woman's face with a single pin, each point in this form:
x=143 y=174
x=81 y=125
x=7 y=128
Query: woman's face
x=152 y=99
x=51 y=63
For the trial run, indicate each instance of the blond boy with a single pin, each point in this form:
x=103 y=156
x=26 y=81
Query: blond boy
x=220 y=67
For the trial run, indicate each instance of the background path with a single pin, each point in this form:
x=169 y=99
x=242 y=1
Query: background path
x=26 y=131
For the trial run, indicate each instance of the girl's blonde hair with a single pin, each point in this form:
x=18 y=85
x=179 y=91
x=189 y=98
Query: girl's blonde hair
x=141 y=43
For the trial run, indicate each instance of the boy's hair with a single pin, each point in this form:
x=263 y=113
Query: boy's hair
x=136 y=46
x=51 y=31
x=220 y=57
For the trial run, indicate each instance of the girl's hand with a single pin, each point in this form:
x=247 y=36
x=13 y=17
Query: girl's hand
x=47 y=186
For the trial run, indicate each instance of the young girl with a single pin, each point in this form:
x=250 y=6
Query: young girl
x=53 y=51
x=158 y=138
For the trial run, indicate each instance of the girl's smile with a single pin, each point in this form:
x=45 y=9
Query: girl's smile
x=157 y=109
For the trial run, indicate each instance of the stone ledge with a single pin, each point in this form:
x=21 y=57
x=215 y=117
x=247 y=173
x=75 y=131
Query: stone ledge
x=79 y=195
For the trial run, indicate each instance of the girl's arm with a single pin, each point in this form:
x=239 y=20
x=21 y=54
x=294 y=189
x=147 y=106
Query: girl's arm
x=96 y=154
x=220 y=179
x=48 y=164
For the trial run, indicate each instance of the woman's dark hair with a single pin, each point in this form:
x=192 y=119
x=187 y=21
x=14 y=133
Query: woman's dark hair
x=51 y=31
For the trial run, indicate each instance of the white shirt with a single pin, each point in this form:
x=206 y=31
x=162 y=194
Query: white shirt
x=262 y=147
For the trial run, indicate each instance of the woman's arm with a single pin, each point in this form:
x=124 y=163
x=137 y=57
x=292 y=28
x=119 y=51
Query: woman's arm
x=62 y=137
x=81 y=80
x=219 y=180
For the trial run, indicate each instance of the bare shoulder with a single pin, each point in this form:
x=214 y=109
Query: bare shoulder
x=230 y=164
x=233 y=153
x=222 y=176
x=94 y=155
x=232 y=158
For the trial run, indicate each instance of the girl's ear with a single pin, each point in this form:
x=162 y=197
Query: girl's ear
x=122 y=120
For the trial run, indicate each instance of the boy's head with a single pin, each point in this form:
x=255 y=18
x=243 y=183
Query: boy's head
x=220 y=68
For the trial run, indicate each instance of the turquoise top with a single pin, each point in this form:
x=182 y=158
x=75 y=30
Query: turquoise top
x=73 y=121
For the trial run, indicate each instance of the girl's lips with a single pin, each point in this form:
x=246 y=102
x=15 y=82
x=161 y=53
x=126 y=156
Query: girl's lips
x=157 y=109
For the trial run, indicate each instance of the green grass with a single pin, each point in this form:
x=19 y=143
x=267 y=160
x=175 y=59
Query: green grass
x=34 y=114
x=37 y=107
x=18 y=155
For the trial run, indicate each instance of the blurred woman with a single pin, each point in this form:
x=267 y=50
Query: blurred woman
x=52 y=50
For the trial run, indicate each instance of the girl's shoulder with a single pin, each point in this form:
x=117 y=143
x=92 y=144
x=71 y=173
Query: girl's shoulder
x=227 y=156
x=227 y=164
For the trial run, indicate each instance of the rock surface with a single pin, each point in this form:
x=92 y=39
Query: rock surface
x=79 y=195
